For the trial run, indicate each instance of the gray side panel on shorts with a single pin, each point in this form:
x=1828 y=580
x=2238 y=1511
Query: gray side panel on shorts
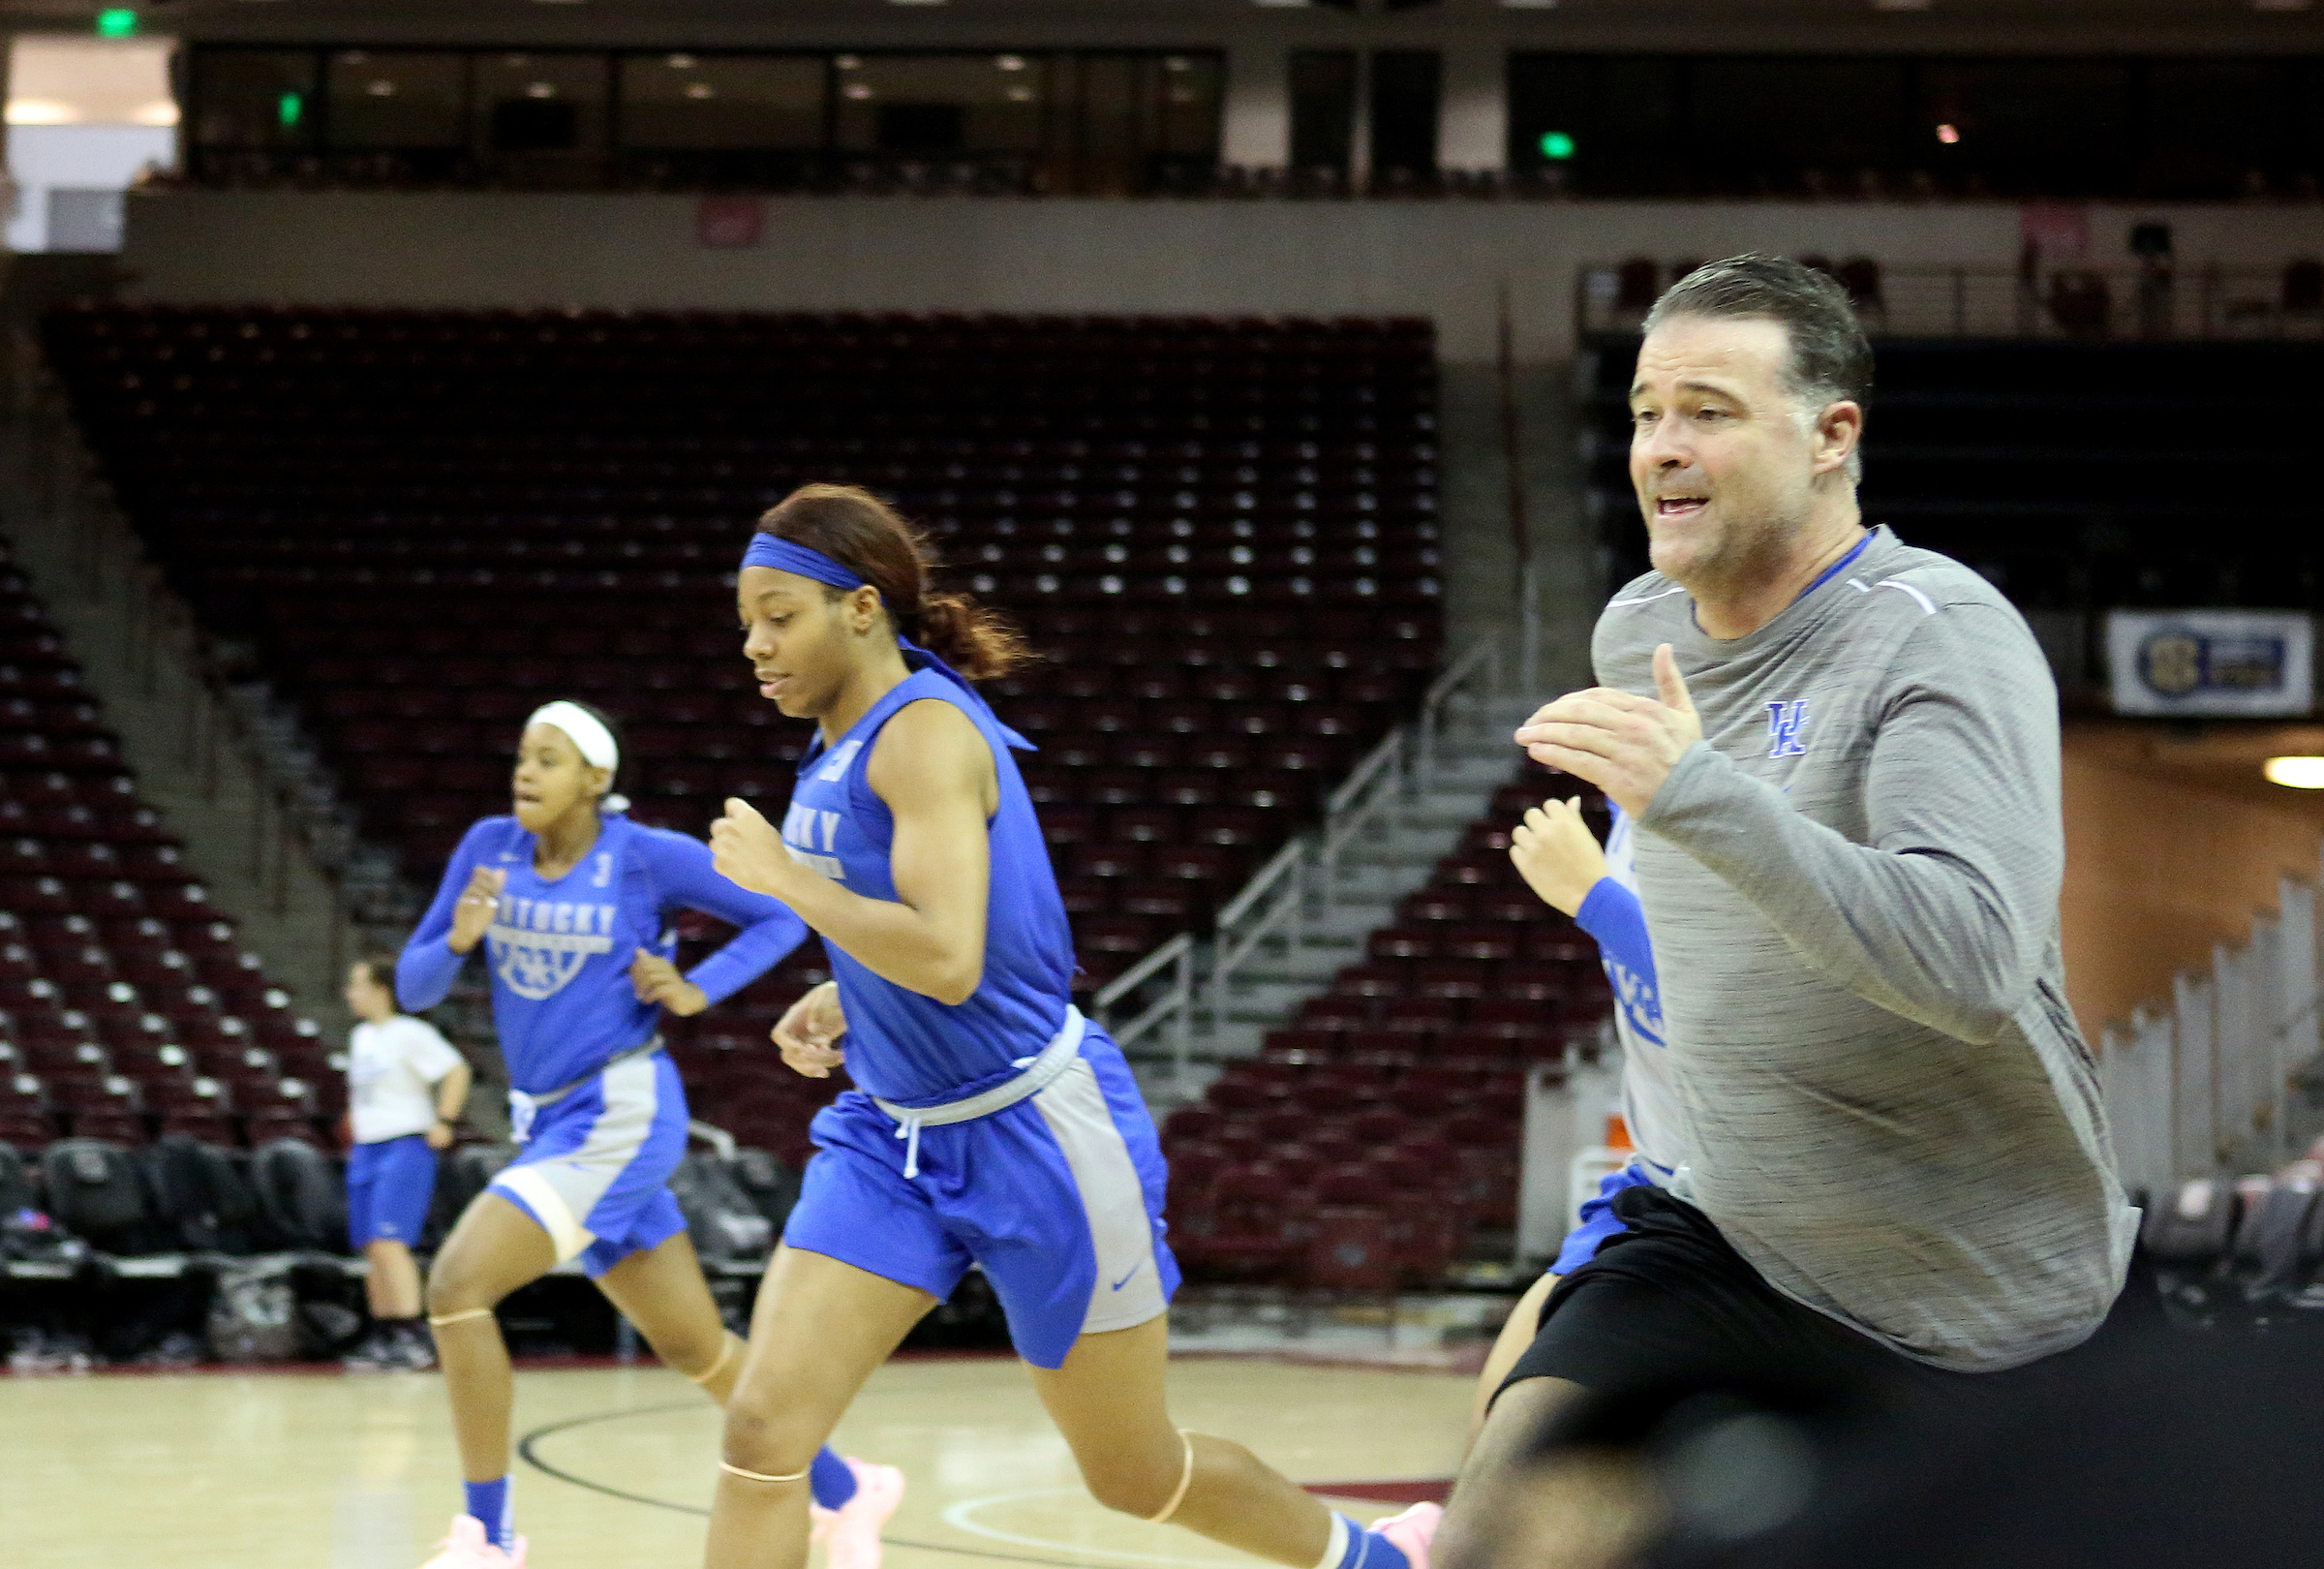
x=1128 y=1287
x=576 y=1182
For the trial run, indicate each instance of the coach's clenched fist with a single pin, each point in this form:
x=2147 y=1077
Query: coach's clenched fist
x=1624 y=744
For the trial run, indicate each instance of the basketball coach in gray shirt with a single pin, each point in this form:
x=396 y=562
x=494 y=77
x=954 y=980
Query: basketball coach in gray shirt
x=1842 y=753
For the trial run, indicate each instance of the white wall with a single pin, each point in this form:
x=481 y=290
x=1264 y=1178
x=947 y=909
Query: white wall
x=42 y=158
x=1474 y=124
x=1257 y=131
x=83 y=113
x=1447 y=259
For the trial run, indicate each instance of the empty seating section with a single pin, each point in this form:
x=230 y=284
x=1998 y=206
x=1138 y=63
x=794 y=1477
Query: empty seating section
x=2075 y=476
x=1394 y=1100
x=1220 y=536
x=127 y=1006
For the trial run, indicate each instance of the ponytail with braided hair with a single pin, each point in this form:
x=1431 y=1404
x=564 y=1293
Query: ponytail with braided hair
x=865 y=534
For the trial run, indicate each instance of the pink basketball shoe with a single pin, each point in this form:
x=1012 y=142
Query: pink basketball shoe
x=1411 y=1532
x=850 y=1533
x=467 y=1549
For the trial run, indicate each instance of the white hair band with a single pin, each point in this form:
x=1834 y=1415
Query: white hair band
x=588 y=732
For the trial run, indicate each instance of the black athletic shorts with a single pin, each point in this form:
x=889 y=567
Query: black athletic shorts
x=1669 y=1302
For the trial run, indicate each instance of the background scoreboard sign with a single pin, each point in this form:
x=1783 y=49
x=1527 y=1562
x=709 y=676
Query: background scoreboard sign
x=2225 y=663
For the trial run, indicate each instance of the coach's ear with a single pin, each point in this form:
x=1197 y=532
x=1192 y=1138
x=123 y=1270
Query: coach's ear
x=1839 y=431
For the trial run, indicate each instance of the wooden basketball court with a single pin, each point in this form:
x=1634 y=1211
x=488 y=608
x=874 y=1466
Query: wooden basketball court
x=305 y=1470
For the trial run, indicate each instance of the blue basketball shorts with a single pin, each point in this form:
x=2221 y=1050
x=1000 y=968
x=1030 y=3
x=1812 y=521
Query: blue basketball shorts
x=388 y=1186
x=1598 y=1220
x=1057 y=1199
x=594 y=1171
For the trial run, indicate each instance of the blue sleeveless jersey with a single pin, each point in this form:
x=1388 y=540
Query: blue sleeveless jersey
x=903 y=1045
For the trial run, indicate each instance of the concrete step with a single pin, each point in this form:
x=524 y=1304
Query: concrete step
x=1266 y=1003
x=1374 y=883
x=1346 y=921
x=1305 y=966
x=1476 y=771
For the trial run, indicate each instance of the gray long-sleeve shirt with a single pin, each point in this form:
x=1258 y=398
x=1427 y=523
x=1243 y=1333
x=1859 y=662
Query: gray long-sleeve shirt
x=1851 y=884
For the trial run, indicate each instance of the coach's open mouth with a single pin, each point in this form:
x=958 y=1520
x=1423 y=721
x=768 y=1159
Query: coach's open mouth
x=1679 y=506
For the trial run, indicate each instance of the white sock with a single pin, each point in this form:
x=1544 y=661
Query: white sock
x=1335 y=1546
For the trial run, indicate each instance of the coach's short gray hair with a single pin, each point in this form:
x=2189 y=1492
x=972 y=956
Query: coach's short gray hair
x=1831 y=359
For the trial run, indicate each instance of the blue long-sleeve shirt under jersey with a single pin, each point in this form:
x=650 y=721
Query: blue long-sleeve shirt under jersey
x=559 y=950
x=1611 y=915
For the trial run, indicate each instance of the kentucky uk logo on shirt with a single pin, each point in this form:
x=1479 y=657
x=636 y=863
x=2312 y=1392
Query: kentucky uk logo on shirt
x=1785 y=722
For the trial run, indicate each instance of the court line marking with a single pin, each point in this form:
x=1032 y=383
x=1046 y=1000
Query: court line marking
x=961 y=1517
x=525 y=1452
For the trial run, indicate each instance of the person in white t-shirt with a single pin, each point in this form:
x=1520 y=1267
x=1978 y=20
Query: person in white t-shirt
x=405 y=1085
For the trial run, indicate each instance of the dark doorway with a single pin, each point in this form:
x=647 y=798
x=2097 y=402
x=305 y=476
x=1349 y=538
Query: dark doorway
x=923 y=128
x=1408 y=89
x=536 y=125
x=1323 y=108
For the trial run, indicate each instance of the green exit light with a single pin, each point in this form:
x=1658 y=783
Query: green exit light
x=118 y=22
x=1556 y=146
x=290 y=108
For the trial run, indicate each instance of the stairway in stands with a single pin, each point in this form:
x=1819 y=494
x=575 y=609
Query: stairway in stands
x=1395 y=853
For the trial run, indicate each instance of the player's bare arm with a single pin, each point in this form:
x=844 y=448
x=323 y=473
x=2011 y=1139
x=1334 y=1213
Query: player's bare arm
x=935 y=771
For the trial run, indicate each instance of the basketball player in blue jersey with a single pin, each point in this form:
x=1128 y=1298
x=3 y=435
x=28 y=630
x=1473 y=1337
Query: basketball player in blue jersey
x=1560 y=859
x=571 y=902
x=992 y=1124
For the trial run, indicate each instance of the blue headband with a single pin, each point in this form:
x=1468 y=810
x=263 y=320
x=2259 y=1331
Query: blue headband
x=790 y=556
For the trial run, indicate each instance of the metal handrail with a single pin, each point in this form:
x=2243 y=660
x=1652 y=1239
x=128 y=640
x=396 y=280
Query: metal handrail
x=1274 y=904
x=1261 y=881
x=1483 y=655
x=1130 y=979
x=1283 y=879
x=1384 y=755
x=1343 y=827
x=1173 y=1007
x=1486 y=651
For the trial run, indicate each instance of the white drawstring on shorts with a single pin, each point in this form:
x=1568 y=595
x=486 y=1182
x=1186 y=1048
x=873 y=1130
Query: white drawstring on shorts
x=1034 y=1074
x=908 y=1122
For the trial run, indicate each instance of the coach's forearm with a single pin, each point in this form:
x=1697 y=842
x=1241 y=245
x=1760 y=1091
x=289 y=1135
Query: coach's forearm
x=1920 y=932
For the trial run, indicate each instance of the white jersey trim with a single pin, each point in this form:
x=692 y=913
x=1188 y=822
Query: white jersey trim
x=1643 y=599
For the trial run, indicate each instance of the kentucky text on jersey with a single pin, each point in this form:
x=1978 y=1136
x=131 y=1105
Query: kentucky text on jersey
x=543 y=944
x=809 y=836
